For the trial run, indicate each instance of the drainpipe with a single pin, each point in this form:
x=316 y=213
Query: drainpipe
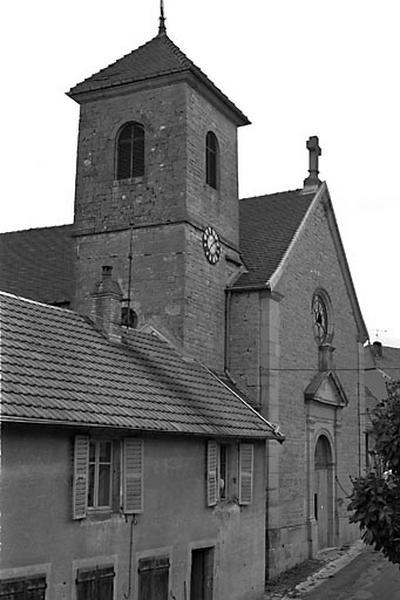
x=228 y=295
x=359 y=408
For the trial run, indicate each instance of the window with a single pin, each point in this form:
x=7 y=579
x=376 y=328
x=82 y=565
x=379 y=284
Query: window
x=95 y=584
x=130 y=151
x=322 y=317
x=99 y=491
x=219 y=469
x=153 y=578
x=27 y=588
x=223 y=471
x=219 y=462
x=212 y=160
x=128 y=317
x=98 y=472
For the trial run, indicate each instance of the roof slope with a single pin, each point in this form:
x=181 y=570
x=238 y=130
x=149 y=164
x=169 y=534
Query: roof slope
x=157 y=58
x=267 y=226
x=37 y=263
x=56 y=368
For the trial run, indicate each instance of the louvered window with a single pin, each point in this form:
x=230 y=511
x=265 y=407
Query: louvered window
x=133 y=475
x=99 y=470
x=81 y=468
x=246 y=467
x=95 y=584
x=212 y=160
x=153 y=578
x=27 y=588
x=218 y=456
x=212 y=473
x=130 y=151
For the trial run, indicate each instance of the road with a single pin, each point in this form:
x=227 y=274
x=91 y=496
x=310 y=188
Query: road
x=368 y=577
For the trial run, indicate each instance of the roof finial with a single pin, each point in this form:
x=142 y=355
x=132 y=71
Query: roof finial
x=161 y=28
x=315 y=151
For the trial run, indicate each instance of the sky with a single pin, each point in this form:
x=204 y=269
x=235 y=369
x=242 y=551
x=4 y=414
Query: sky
x=295 y=67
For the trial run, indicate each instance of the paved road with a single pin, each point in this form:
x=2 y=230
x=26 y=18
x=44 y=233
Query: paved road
x=368 y=577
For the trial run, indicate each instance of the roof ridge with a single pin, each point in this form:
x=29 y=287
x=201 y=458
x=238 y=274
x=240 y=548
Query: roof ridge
x=180 y=55
x=36 y=302
x=295 y=191
x=37 y=228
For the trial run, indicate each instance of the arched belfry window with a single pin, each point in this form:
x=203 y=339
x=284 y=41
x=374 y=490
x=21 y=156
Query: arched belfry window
x=212 y=160
x=130 y=151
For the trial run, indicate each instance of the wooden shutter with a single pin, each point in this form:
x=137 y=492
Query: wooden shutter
x=212 y=473
x=133 y=475
x=154 y=578
x=246 y=460
x=80 y=482
x=95 y=584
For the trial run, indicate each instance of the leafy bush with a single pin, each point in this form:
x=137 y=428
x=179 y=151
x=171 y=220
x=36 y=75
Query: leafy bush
x=375 y=498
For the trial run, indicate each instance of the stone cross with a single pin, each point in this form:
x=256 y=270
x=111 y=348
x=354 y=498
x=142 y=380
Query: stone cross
x=315 y=151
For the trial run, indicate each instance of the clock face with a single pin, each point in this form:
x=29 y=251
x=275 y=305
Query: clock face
x=211 y=245
x=320 y=319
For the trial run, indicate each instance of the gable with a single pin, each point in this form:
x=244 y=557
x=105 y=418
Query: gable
x=315 y=257
x=325 y=388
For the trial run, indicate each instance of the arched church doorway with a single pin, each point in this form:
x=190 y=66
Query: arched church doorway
x=323 y=491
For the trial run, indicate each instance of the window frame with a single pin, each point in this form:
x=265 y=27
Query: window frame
x=97 y=463
x=212 y=160
x=134 y=171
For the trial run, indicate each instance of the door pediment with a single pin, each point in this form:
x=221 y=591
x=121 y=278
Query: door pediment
x=325 y=388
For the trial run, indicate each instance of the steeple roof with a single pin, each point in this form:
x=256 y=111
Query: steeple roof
x=157 y=58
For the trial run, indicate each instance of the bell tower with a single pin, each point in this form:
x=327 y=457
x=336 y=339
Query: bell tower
x=156 y=192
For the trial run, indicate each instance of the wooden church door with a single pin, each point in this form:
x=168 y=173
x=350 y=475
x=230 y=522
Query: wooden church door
x=323 y=491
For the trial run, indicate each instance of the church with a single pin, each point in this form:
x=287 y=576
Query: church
x=183 y=368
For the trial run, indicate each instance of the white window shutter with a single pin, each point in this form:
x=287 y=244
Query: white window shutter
x=80 y=482
x=212 y=473
x=133 y=475
x=246 y=461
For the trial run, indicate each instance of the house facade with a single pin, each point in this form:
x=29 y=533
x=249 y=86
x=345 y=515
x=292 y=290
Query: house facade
x=257 y=291
x=126 y=470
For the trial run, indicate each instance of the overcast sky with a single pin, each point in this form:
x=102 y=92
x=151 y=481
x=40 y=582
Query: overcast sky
x=295 y=67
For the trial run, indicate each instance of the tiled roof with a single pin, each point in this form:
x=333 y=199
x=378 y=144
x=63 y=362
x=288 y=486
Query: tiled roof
x=57 y=368
x=157 y=58
x=267 y=226
x=389 y=362
x=380 y=369
x=37 y=263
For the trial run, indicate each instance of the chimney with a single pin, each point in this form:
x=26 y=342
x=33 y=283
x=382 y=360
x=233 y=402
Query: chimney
x=106 y=308
x=312 y=182
x=378 y=349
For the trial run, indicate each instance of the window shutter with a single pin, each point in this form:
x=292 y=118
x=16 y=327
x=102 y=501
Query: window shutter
x=212 y=473
x=246 y=459
x=80 y=483
x=133 y=475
